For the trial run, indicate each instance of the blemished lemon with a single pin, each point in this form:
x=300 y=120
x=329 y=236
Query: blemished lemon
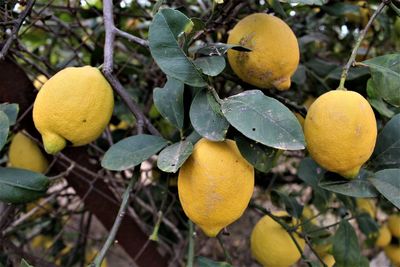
x=340 y=131
x=394 y=224
x=24 y=153
x=384 y=236
x=215 y=185
x=366 y=205
x=272 y=246
x=275 y=51
x=393 y=253
x=74 y=105
x=329 y=260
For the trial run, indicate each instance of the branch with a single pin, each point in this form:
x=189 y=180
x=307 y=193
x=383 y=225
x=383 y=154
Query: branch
x=132 y=38
x=17 y=26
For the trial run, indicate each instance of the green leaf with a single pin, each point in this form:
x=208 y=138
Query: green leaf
x=354 y=73
x=387 y=149
x=211 y=66
x=21 y=186
x=308 y=2
x=132 y=151
x=24 y=263
x=219 y=49
x=367 y=225
x=387 y=182
x=172 y=157
x=261 y=157
x=4 y=128
x=277 y=7
x=290 y=203
x=264 y=119
x=164 y=32
x=205 y=262
x=206 y=119
x=300 y=76
x=169 y=101
x=376 y=100
x=11 y=110
x=340 y=9
x=385 y=72
x=358 y=187
x=346 y=250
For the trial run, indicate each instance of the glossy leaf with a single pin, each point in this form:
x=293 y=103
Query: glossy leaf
x=277 y=7
x=21 y=186
x=358 y=187
x=310 y=172
x=387 y=149
x=211 y=66
x=219 y=49
x=385 y=72
x=264 y=119
x=300 y=76
x=261 y=157
x=132 y=151
x=4 y=128
x=164 y=32
x=387 y=182
x=205 y=262
x=11 y=110
x=345 y=247
x=376 y=100
x=169 y=101
x=367 y=225
x=308 y=2
x=206 y=119
x=172 y=157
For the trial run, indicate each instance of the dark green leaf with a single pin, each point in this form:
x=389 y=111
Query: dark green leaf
x=320 y=67
x=132 y=151
x=340 y=9
x=206 y=120
x=164 y=32
x=4 y=128
x=277 y=7
x=205 y=262
x=290 y=203
x=264 y=119
x=300 y=76
x=172 y=157
x=263 y=158
x=385 y=71
x=358 y=187
x=211 y=66
x=219 y=49
x=354 y=73
x=193 y=137
x=387 y=182
x=21 y=186
x=11 y=110
x=169 y=101
x=367 y=225
x=310 y=172
x=346 y=250
x=308 y=2
x=387 y=149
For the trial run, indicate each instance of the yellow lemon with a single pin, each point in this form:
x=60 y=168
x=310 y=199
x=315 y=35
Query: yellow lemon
x=340 y=131
x=393 y=253
x=323 y=249
x=394 y=224
x=272 y=246
x=215 y=185
x=366 y=205
x=308 y=213
x=384 y=236
x=24 y=153
x=39 y=81
x=275 y=51
x=299 y=118
x=329 y=260
x=41 y=242
x=74 y=105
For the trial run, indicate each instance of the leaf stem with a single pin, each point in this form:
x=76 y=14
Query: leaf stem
x=191 y=245
x=353 y=55
x=228 y=257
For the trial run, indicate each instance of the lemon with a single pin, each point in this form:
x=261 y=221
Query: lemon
x=271 y=245
x=366 y=205
x=39 y=81
x=275 y=51
x=394 y=224
x=393 y=253
x=215 y=185
x=384 y=236
x=323 y=249
x=329 y=260
x=308 y=213
x=340 y=131
x=24 y=153
x=74 y=105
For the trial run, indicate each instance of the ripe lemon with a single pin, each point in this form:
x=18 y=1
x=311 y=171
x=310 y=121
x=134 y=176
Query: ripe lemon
x=25 y=154
x=340 y=131
x=74 y=105
x=215 y=185
x=271 y=245
x=39 y=81
x=394 y=224
x=393 y=253
x=366 y=205
x=384 y=236
x=275 y=51
x=329 y=260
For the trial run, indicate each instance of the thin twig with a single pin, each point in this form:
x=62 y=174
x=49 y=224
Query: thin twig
x=132 y=38
x=190 y=254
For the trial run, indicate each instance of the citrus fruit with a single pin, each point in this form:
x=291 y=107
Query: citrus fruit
x=384 y=236
x=39 y=81
x=215 y=185
x=74 y=105
x=340 y=131
x=274 y=54
x=394 y=224
x=24 y=153
x=366 y=205
x=271 y=245
x=329 y=260
x=393 y=253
